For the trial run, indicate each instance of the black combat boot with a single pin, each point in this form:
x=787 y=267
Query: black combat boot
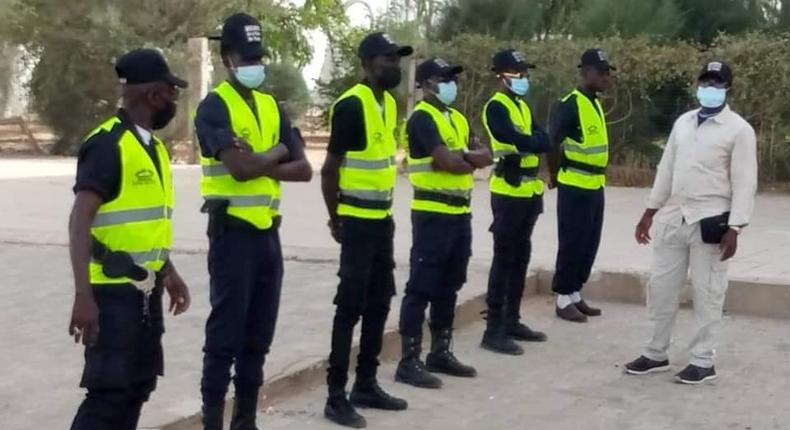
x=245 y=410
x=442 y=360
x=340 y=411
x=411 y=370
x=368 y=394
x=495 y=338
x=518 y=331
x=213 y=416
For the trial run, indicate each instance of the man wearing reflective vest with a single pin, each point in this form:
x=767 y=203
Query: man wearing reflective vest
x=516 y=201
x=120 y=236
x=578 y=168
x=440 y=167
x=357 y=180
x=247 y=147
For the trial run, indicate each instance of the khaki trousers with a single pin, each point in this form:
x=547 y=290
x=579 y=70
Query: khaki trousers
x=678 y=250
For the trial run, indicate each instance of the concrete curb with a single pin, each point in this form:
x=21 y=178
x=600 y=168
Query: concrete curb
x=743 y=297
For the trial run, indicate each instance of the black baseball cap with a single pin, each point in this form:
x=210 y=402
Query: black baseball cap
x=510 y=59
x=242 y=34
x=597 y=58
x=379 y=43
x=718 y=69
x=142 y=66
x=436 y=67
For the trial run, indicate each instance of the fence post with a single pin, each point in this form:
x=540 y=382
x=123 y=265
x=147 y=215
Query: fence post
x=199 y=78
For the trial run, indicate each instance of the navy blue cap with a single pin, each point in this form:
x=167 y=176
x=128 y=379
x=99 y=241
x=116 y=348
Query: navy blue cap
x=379 y=43
x=719 y=69
x=436 y=68
x=597 y=58
x=143 y=66
x=242 y=34
x=511 y=59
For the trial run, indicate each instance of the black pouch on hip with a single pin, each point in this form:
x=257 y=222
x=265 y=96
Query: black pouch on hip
x=713 y=228
x=217 y=211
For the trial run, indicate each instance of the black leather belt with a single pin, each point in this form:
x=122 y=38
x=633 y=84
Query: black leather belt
x=365 y=204
x=436 y=196
x=595 y=170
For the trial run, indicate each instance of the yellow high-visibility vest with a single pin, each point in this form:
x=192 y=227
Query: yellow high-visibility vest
x=367 y=177
x=138 y=220
x=256 y=201
x=521 y=116
x=435 y=190
x=584 y=162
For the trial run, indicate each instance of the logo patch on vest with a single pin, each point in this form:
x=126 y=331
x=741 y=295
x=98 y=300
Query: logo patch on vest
x=593 y=129
x=143 y=177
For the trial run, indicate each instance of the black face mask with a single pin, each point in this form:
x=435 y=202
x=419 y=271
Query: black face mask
x=162 y=118
x=390 y=77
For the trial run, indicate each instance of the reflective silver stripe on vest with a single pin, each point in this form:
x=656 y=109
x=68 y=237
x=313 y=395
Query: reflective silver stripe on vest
x=169 y=213
x=373 y=195
x=571 y=147
x=420 y=168
x=132 y=215
x=247 y=201
x=582 y=172
x=355 y=163
x=214 y=170
x=152 y=255
x=454 y=193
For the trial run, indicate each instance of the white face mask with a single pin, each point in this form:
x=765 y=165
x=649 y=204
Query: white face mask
x=711 y=97
x=250 y=76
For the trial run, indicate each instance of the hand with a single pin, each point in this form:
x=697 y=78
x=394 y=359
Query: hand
x=336 y=229
x=177 y=290
x=242 y=144
x=729 y=244
x=84 y=323
x=642 y=233
x=552 y=181
x=478 y=158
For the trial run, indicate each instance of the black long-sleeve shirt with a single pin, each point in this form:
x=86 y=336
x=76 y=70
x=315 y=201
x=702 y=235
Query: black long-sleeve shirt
x=503 y=130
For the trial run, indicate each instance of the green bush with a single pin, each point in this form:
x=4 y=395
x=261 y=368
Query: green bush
x=654 y=84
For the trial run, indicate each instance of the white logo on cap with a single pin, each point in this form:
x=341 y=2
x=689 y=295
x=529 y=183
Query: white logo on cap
x=714 y=66
x=519 y=57
x=441 y=63
x=602 y=56
x=253 y=33
x=387 y=37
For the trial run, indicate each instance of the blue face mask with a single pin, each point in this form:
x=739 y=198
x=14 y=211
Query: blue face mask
x=519 y=86
x=251 y=76
x=448 y=91
x=711 y=97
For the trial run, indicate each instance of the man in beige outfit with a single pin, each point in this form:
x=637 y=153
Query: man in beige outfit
x=702 y=197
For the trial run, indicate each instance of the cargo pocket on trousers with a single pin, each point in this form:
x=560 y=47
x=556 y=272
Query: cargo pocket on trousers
x=425 y=274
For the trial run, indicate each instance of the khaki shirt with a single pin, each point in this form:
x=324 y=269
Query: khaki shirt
x=706 y=170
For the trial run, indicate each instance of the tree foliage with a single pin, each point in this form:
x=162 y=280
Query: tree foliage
x=72 y=45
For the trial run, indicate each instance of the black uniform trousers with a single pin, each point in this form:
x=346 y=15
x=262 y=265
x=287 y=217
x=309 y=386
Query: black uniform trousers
x=121 y=369
x=365 y=291
x=441 y=247
x=579 y=221
x=514 y=221
x=246 y=269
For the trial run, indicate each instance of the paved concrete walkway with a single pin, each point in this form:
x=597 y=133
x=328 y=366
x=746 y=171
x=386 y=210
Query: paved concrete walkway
x=575 y=381
x=42 y=367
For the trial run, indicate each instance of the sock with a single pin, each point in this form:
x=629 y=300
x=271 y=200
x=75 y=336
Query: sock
x=576 y=297
x=563 y=301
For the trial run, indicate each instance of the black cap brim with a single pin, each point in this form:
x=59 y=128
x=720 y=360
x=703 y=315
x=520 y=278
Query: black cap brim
x=604 y=67
x=176 y=81
x=724 y=78
x=523 y=67
x=252 y=51
x=402 y=51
